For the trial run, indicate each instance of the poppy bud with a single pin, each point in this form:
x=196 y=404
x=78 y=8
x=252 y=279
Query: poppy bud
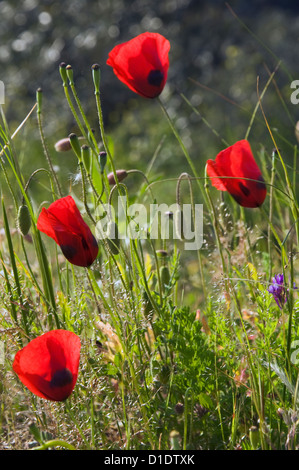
x=164 y=276
x=112 y=237
x=96 y=76
x=69 y=74
x=63 y=145
x=39 y=99
x=162 y=253
x=102 y=161
x=121 y=175
x=62 y=70
x=74 y=141
x=86 y=158
x=23 y=220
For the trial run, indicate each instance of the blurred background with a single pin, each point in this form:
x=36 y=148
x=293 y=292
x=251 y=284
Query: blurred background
x=214 y=62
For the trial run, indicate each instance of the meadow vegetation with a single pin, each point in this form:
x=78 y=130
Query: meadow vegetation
x=180 y=349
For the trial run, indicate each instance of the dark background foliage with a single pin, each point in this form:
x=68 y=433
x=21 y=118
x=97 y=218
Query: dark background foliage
x=214 y=61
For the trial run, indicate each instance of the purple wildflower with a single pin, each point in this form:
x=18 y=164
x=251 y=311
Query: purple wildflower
x=279 y=290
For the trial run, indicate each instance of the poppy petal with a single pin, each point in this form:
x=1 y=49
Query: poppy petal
x=63 y=222
x=48 y=365
x=212 y=171
x=142 y=63
x=230 y=167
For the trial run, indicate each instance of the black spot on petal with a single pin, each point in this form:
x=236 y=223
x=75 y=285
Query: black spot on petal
x=61 y=378
x=68 y=251
x=155 y=78
x=261 y=184
x=94 y=242
x=84 y=244
x=244 y=189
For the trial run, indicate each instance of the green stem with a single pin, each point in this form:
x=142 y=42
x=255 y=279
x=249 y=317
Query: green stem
x=46 y=152
x=84 y=193
x=55 y=443
x=175 y=132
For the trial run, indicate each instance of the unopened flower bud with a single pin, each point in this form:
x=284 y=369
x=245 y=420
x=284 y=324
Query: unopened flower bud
x=62 y=70
x=96 y=76
x=74 y=141
x=63 y=145
x=24 y=220
x=102 y=160
x=39 y=99
x=164 y=275
x=121 y=175
x=70 y=75
x=162 y=253
x=86 y=158
x=112 y=237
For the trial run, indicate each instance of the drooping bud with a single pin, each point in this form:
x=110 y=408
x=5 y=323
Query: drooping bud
x=121 y=175
x=102 y=160
x=63 y=145
x=179 y=224
x=23 y=220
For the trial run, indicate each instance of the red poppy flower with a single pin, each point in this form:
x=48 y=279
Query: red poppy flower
x=142 y=63
x=63 y=222
x=238 y=162
x=48 y=365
